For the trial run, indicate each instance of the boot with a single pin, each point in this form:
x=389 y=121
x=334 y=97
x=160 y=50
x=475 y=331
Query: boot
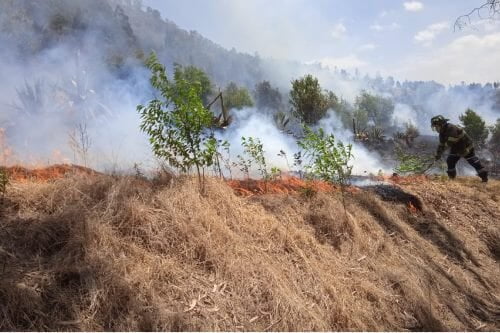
x=452 y=174
x=484 y=176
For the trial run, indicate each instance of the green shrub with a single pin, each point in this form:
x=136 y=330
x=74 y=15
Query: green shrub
x=254 y=148
x=177 y=123
x=326 y=158
x=409 y=163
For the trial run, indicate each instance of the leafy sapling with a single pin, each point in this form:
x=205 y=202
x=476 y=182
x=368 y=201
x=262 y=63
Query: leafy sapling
x=226 y=157
x=244 y=165
x=412 y=163
x=275 y=173
x=177 y=123
x=255 y=149
x=326 y=158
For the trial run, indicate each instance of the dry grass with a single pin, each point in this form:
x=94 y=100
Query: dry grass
x=117 y=253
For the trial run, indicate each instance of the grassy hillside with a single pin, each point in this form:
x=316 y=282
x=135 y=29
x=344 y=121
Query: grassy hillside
x=96 y=252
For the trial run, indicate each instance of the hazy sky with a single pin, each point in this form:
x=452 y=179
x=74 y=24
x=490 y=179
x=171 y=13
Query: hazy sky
x=407 y=39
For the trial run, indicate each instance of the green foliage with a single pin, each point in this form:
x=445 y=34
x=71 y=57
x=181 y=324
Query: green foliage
x=243 y=164
x=255 y=149
x=332 y=101
x=4 y=181
x=236 y=97
x=275 y=173
x=376 y=109
x=475 y=127
x=345 y=112
x=409 y=163
x=225 y=157
x=267 y=97
x=494 y=146
x=195 y=75
x=177 y=122
x=360 y=120
x=326 y=158
x=309 y=102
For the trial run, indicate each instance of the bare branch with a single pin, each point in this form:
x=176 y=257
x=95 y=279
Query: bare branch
x=490 y=10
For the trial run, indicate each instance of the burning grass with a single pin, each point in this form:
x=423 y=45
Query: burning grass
x=294 y=185
x=94 y=252
x=285 y=185
x=44 y=174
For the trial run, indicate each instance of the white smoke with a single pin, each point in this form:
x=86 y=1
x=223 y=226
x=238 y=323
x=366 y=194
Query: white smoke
x=76 y=85
x=404 y=114
x=364 y=161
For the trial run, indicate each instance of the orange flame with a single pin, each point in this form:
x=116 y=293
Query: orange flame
x=19 y=173
x=413 y=210
x=6 y=152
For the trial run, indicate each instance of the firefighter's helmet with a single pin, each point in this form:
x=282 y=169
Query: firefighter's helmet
x=438 y=122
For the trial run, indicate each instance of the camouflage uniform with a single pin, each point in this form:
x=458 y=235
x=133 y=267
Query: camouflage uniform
x=460 y=145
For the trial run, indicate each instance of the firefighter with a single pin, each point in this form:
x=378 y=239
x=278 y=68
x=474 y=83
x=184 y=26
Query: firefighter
x=460 y=145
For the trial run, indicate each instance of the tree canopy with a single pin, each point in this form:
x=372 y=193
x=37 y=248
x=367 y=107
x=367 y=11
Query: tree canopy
x=267 y=97
x=195 y=75
x=236 y=97
x=376 y=109
x=475 y=127
x=309 y=102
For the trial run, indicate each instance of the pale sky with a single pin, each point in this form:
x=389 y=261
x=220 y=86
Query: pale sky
x=410 y=39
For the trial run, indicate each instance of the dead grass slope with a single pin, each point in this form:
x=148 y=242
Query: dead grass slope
x=103 y=253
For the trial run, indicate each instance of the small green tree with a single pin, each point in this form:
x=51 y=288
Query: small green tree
x=225 y=157
x=344 y=112
x=236 y=97
x=195 y=75
x=360 y=119
x=244 y=165
x=267 y=97
x=332 y=101
x=378 y=109
x=494 y=146
x=308 y=101
x=475 y=127
x=254 y=148
x=326 y=158
x=177 y=123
